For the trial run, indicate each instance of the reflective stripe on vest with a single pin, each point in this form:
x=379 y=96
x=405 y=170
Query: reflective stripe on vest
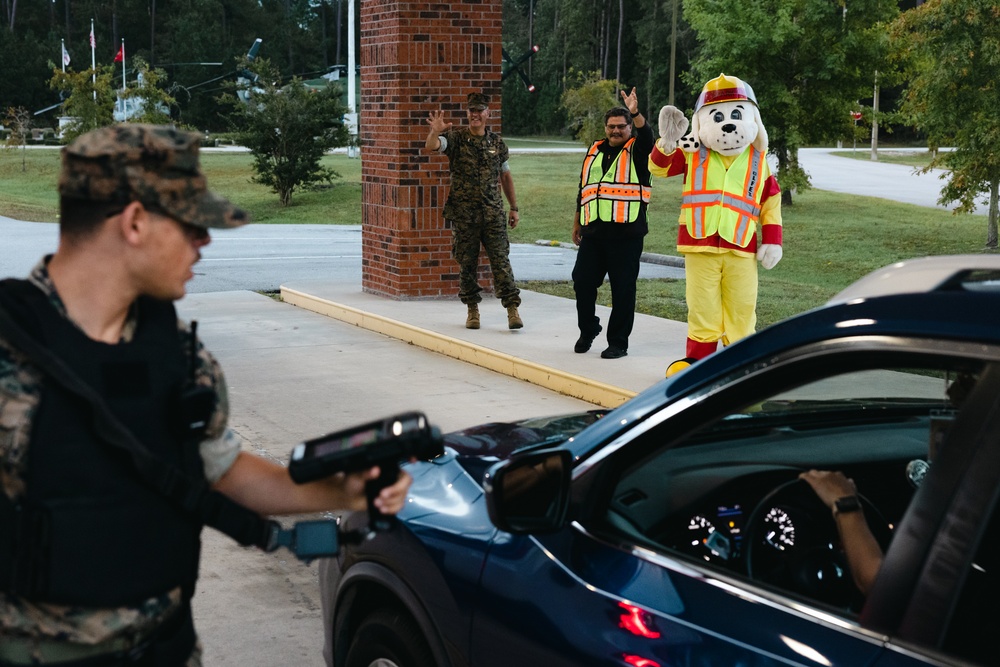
x=615 y=195
x=721 y=201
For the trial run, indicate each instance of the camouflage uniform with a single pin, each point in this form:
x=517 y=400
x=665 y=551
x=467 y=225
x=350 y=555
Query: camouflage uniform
x=475 y=211
x=158 y=166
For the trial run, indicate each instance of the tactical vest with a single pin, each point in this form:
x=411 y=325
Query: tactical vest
x=615 y=195
x=87 y=531
x=723 y=201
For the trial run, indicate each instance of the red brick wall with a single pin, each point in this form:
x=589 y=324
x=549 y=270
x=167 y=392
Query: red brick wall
x=417 y=57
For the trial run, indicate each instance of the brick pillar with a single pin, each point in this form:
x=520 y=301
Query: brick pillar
x=417 y=57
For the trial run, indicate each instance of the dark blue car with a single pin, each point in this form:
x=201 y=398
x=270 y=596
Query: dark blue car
x=675 y=531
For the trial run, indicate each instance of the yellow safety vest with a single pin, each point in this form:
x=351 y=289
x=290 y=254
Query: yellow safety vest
x=723 y=201
x=615 y=195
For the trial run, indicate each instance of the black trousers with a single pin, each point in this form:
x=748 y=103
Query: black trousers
x=618 y=259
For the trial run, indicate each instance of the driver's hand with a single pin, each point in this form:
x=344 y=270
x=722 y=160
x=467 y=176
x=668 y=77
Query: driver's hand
x=829 y=485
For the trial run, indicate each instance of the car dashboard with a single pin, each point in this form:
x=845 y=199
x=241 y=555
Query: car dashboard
x=737 y=503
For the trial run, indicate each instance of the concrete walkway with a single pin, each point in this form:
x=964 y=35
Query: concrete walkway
x=540 y=353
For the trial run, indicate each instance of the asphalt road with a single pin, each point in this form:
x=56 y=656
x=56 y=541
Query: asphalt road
x=876 y=179
x=261 y=257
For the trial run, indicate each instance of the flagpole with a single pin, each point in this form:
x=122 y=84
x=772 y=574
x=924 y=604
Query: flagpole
x=93 y=58
x=63 y=59
x=124 y=115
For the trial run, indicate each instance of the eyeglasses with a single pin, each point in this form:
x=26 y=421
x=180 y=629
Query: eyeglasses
x=617 y=127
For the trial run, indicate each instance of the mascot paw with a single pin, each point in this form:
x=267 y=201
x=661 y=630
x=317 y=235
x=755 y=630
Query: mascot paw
x=769 y=255
x=673 y=125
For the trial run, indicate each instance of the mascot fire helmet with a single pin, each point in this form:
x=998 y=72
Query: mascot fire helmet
x=725 y=89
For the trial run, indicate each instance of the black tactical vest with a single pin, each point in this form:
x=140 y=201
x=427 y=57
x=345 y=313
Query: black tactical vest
x=88 y=531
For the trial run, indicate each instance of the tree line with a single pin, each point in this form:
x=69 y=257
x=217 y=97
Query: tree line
x=636 y=43
x=921 y=70
x=196 y=43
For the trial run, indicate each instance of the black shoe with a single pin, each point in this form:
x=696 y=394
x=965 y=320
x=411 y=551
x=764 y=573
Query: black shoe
x=584 y=342
x=613 y=352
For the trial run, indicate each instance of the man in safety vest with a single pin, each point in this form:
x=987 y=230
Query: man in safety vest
x=610 y=224
x=728 y=191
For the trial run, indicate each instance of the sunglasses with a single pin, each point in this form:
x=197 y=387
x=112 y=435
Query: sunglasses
x=617 y=127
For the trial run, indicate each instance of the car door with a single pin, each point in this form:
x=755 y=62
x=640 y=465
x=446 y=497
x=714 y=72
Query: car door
x=658 y=567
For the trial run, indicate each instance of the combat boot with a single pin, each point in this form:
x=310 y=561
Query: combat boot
x=513 y=319
x=472 y=321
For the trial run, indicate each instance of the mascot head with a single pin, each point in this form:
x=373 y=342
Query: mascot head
x=726 y=119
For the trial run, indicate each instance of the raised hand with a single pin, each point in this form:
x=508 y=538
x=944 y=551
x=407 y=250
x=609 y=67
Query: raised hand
x=437 y=122
x=631 y=101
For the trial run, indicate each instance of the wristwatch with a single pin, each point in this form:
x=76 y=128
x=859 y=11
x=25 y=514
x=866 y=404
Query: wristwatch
x=846 y=504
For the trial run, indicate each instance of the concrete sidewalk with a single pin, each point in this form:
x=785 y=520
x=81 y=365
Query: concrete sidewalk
x=540 y=353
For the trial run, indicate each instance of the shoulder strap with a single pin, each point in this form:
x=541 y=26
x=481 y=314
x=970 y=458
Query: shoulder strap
x=193 y=496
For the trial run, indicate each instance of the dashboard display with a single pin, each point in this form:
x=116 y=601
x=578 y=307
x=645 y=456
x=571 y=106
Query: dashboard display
x=717 y=535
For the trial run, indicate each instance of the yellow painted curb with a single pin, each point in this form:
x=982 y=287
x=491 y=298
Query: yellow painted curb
x=569 y=384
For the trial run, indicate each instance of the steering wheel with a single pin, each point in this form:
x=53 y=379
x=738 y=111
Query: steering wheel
x=792 y=542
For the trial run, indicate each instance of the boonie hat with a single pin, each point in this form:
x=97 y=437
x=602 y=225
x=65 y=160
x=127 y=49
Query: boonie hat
x=725 y=89
x=156 y=165
x=477 y=102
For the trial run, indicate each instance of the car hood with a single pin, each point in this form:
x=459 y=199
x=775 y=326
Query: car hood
x=479 y=447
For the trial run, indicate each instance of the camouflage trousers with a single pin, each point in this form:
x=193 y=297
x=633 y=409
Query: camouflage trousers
x=489 y=230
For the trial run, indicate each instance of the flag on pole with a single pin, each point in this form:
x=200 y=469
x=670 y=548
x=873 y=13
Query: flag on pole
x=65 y=55
x=120 y=56
x=93 y=59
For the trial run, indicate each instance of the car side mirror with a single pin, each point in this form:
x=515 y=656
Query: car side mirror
x=529 y=493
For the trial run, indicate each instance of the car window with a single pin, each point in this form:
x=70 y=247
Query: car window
x=726 y=494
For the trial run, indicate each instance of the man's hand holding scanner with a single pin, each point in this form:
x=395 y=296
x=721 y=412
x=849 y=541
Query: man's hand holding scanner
x=350 y=489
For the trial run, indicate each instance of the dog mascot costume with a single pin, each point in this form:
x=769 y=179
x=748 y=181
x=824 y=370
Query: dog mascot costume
x=728 y=191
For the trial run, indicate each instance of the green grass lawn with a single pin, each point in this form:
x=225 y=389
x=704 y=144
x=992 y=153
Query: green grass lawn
x=30 y=193
x=830 y=239
x=543 y=142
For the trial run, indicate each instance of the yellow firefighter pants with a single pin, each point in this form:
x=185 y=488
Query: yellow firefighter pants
x=721 y=296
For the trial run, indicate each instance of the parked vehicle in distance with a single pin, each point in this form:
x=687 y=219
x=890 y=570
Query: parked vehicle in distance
x=674 y=531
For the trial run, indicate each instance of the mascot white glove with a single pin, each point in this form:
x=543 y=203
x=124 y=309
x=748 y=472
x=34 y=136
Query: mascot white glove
x=673 y=125
x=769 y=255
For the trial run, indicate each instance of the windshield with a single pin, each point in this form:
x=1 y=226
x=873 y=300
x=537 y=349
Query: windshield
x=862 y=395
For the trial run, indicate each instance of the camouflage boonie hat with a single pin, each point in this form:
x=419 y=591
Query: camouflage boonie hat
x=477 y=102
x=156 y=165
